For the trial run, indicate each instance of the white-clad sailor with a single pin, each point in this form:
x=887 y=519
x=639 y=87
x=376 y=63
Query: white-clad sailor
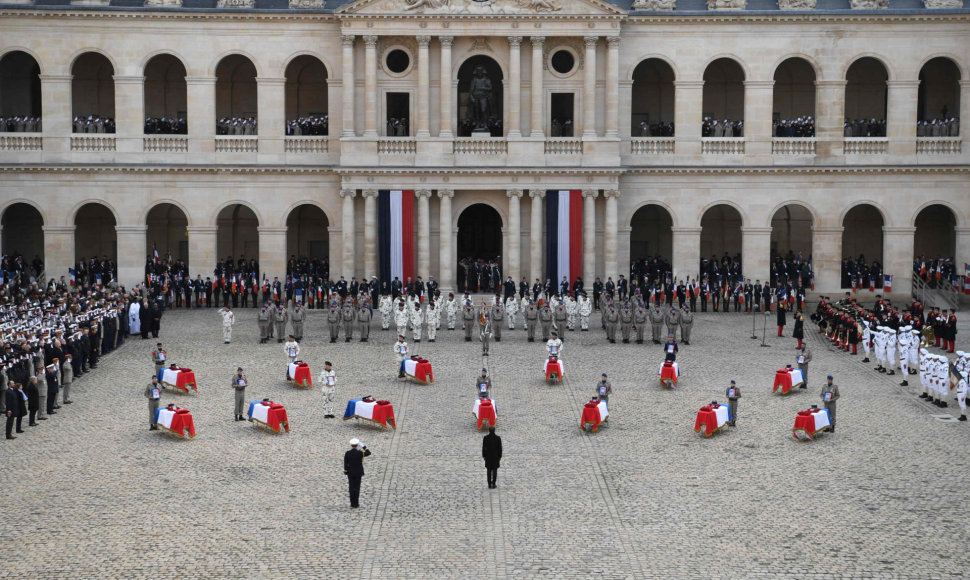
x=328 y=381
x=866 y=339
x=891 y=350
x=904 y=338
x=914 y=351
x=924 y=360
x=962 y=395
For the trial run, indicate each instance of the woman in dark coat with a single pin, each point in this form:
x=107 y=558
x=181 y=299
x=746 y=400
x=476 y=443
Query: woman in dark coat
x=799 y=332
x=781 y=314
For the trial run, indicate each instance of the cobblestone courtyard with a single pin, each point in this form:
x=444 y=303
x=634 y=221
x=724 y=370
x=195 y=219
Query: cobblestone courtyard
x=92 y=493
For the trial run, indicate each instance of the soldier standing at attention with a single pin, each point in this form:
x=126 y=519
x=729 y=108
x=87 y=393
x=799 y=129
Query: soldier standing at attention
x=804 y=358
x=673 y=321
x=328 y=380
x=228 y=319
x=280 y=321
x=333 y=321
x=153 y=392
x=531 y=316
x=239 y=384
x=656 y=322
x=262 y=320
x=498 y=314
x=348 y=317
x=401 y=318
x=686 y=324
x=610 y=319
x=733 y=394
x=159 y=357
x=417 y=321
x=432 y=319
x=626 y=321
x=297 y=317
x=468 y=320
x=830 y=394
x=545 y=320
x=364 y=316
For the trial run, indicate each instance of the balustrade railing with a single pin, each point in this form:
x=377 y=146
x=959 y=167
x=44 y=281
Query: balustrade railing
x=866 y=145
x=564 y=146
x=21 y=142
x=166 y=144
x=652 y=146
x=793 y=146
x=306 y=144
x=939 y=145
x=92 y=143
x=397 y=146
x=722 y=145
x=237 y=144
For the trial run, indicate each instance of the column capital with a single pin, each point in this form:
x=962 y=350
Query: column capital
x=516 y=193
x=591 y=41
x=128 y=80
x=756 y=230
x=271 y=80
x=611 y=193
x=347 y=39
x=593 y=193
x=202 y=229
x=834 y=83
x=684 y=230
x=537 y=41
x=446 y=41
x=369 y=193
x=689 y=84
x=345 y=193
x=613 y=41
x=898 y=230
x=58 y=229
x=271 y=230
x=515 y=40
x=200 y=80
x=131 y=229
x=423 y=193
x=443 y=193
x=537 y=193
x=423 y=40
x=370 y=40
x=56 y=78
x=759 y=84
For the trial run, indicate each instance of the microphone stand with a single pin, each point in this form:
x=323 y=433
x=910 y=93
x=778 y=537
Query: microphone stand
x=753 y=336
x=764 y=331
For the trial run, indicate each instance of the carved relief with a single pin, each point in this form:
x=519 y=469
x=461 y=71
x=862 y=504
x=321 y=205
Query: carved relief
x=482 y=6
x=235 y=3
x=655 y=5
x=938 y=4
x=869 y=4
x=797 y=4
x=726 y=4
x=306 y=4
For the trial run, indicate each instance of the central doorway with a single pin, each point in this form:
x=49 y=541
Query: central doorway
x=479 y=249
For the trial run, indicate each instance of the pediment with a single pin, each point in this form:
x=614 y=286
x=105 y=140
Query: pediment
x=482 y=7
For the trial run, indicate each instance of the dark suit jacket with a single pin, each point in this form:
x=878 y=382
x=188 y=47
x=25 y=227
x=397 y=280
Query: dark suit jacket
x=15 y=403
x=354 y=462
x=33 y=396
x=492 y=450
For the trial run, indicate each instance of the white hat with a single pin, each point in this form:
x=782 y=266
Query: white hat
x=354 y=442
x=961 y=353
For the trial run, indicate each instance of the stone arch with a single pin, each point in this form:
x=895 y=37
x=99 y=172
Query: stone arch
x=306 y=89
x=889 y=71
x=794 y=93
x=29 y=52
x=77 y=207
x=642 y=204
x=882 y=211
x=237 y=232
x=935 y=235
x=158 y=202
x=862 y=232
x=652 y=98
x=726 y=56
x=236 y=88
x=744 y=217
x=323 y=60
x=963 y=70
x=867 y=93
x=721 y=225
x=478 y=228
x=953 y=209
x=163 y=52
x=166 y=93
x=20 y=88
x=167 y=224
x=225 y=204
x=458 y=207
x=463 y=77
x=939 y=90
x=651 y=234
x=723 y=92
x=651 y=56
x=95 y=234
x=306 y=234
x=816 y=67
x=89 y=50
x=816 y=219
x=23 y=230
x=214 y=65
x=93 y=92
x=40 y=209
x=791 y=230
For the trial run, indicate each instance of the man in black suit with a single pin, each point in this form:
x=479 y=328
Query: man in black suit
x=33 y=402
x=16 y=409
x=354 y=469
x=492 y=454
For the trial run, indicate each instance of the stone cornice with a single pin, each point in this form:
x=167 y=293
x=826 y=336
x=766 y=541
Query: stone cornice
x=811 y=17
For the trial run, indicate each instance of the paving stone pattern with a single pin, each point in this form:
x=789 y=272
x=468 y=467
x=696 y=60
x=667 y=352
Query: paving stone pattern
x=92 y=493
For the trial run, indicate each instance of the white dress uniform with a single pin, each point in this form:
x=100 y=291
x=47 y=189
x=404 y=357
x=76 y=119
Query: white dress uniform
x=866 y=338
x=511 y=308
x=891 y=350
x=417 y=321
x=401 y=320
x=572 y=310
x=903 y=341
x=328 y=384
x=292 y=349
x=914 y=341
x=433 y=317
x=384 y=306
x=879 y=342
x=585 y=309
x=228 y=319
x=923 y=373
x=554 y=342
x=452 y=308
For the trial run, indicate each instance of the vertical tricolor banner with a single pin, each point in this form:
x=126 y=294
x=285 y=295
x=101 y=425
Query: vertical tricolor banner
x=564 y=235
x=395 y=228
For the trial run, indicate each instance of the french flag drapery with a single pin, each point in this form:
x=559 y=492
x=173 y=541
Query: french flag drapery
x=396 y=234
x=564 y=235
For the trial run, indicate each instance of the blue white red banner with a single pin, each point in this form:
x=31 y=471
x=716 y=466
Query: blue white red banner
x=564 y=235
x=395 y=228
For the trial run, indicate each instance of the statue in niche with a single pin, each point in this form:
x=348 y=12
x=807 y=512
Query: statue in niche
x=480 y=99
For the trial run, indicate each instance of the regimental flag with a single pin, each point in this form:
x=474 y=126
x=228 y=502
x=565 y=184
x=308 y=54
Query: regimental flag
x=395 y=229
x=564 y=234
x=888 y=284
x=70 y=272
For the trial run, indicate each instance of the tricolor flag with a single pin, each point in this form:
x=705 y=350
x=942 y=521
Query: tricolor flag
x=888 y=284
x=155 y=251
x=966 y=278
x=564 y=234
x=395 y=229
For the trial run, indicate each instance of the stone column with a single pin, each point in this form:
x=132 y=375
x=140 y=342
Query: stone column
x=58 y=248
x=444 y=105
x=129 y=114
x=347 y=86
x=424 y=88
x=612 y=87
x=347 y=234
x=202 y=249
x=514 y=263
x=755 y=252
x=758 y=105
x=688 y=113
x=897 y=255
x=131 y=248
x=201 y=109
x=55 y=95
x=589 y=87
x=515 y=86
x=538 y=96
x=610 y=233
x=962 y=245
x=535 y=234
x=271 y=111
x=827 y=258
x=423 y=268
x=964 y=106
x=687 y=252
x=901 y=123
x=589 y=235
x=272 y=251
x=370 y=233
x=446 y=275
x=829 y=118
x=370 y=86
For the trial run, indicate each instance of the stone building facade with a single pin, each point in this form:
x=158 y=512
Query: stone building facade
x=635 y=83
